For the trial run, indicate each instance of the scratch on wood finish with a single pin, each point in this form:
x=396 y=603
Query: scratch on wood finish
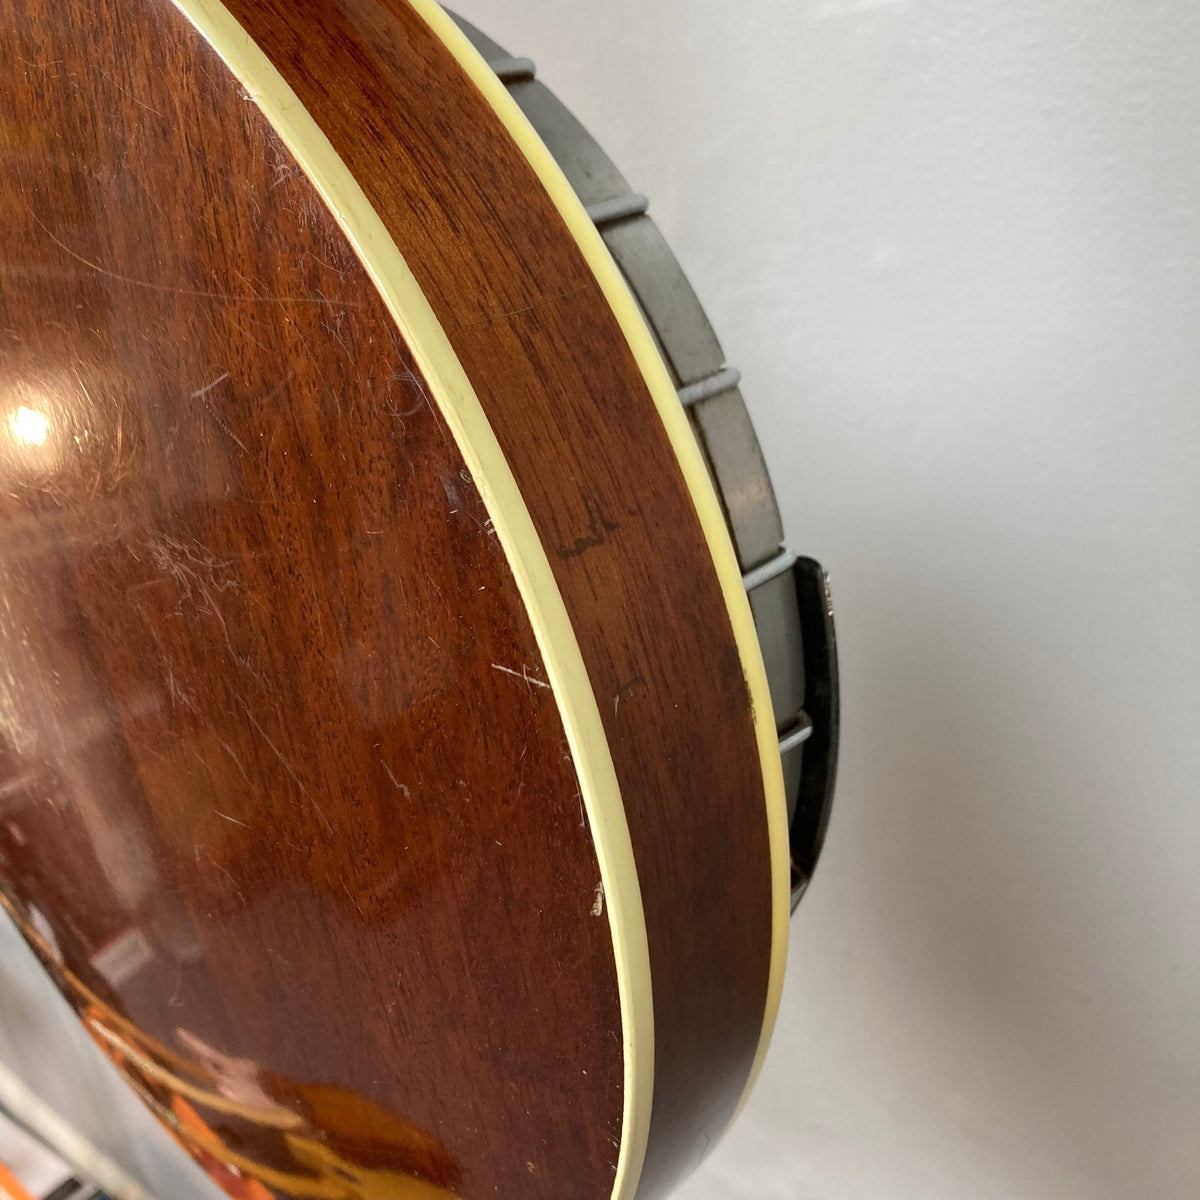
x=213 y=644
x=274 y=686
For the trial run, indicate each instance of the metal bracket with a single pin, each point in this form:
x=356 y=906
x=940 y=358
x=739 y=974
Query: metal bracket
x=818 y=768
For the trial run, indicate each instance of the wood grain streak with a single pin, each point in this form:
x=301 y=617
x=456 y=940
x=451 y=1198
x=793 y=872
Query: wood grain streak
x=586 y=445
x=267 y=682
x=310 y=865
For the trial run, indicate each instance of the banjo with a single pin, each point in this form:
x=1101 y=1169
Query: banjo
x=414 y=733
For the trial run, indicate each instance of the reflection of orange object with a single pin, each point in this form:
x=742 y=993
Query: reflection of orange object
x=10 y=1186
x=399 y=1162
x=226 y=1177
x=272 y=1137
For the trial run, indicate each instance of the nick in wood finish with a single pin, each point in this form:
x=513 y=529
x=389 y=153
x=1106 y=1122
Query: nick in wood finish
x=390 y=779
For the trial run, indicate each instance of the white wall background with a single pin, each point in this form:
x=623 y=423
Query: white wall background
x=955 y=248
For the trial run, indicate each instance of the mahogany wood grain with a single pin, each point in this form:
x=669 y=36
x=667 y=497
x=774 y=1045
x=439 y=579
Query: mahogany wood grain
x=290 y=833
x=560 y=387
x=264 y=642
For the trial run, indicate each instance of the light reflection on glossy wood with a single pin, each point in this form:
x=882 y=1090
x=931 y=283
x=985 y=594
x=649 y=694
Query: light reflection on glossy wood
x=246 y=811
x=267 y=684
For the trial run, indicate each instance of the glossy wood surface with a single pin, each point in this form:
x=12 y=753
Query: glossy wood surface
x=329 y=610
x=560 y=387
x=276 y=791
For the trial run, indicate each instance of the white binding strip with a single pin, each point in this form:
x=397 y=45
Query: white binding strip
x=458 y=404
x=704 y=497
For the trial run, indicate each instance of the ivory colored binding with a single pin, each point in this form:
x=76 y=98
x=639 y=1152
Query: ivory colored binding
x=457 y=402
x=708 y=508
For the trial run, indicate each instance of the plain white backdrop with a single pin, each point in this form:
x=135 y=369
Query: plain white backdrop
x=955 y=249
